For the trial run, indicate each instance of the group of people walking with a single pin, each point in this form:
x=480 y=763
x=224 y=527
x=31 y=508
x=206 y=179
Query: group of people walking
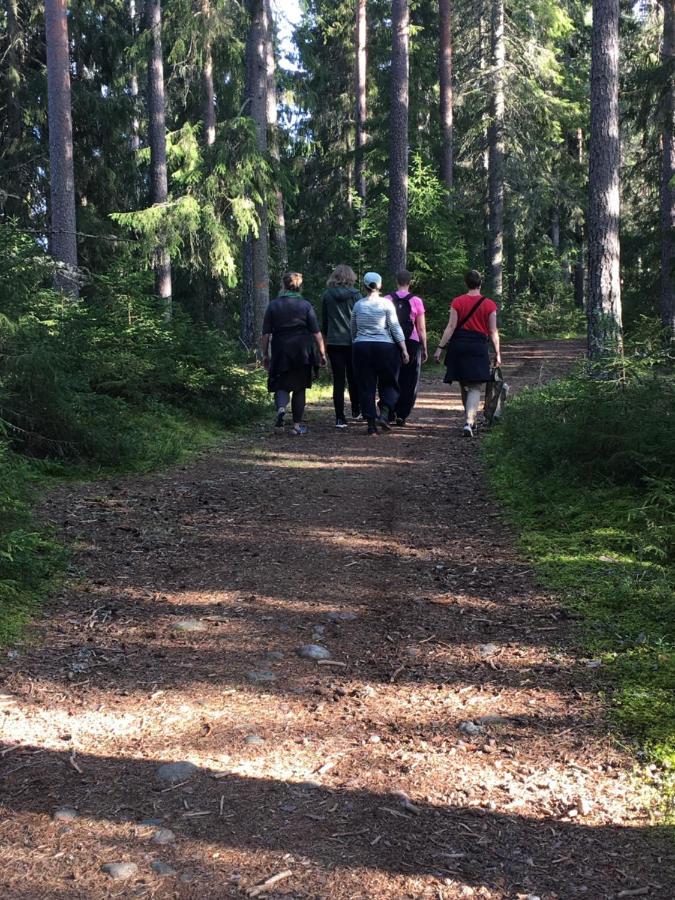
x=376 y=345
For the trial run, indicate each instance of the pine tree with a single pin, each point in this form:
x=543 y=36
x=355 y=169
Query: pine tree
x=63 y=238
x=279 y=218
x=398 y=138
x=668 y=176
x=445 y=65
x=604 y=276
x=496 y=150
x=361 y=97
x=209 y=104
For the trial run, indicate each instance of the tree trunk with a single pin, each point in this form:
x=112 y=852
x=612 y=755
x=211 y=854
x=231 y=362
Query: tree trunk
x=279 y=224
x=579 y=265
x=483 y=45
x=361 y=99
x=135 y=140
x=63 y=242
x=209 y=115
x=256 y=298
x=496 y=151
x=445 y=56
x=667 y=175
x=398 y=136
x=159 y=184
x=14 y=63
x=604 y=303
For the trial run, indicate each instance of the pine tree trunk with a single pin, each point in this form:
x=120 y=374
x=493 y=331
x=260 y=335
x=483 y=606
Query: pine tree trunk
x=496 y=151
x=279 y=223
x=483 y=46
x=63 y=242
x=445 y=56
x=256 y=292
x=14 y=62
x=580 y=263
x=209 y=113
x=361 y=98
x=159 y=184
x=667 y=175
x=398 y=136
x=133 y=86
x=604 y=283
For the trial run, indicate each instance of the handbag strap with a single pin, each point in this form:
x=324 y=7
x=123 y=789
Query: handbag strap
x=466 y=318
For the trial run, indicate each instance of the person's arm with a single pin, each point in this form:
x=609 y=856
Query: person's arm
x=313 y=325
x=447 y=334
x=494 y=337
x=352 y=323
x=318 y=337
x=396 y=332
x=265 y=345
x=421 y=326
x=324 y=315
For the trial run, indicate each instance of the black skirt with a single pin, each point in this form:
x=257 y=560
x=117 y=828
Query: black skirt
x=467 y=360
x=294 y=360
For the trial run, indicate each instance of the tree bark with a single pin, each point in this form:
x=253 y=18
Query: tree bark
x=496 y=151
x=159 y=182
x=580 y=264
x=604 y=282
x=133 y=85
x=256 y=298
x=63 y=241
x=445 y=57
x=279 y=223
x=209 y=113
x=361 y=99
x=14 y=62
x=398 y=136
x=667 y=175
x=483 y=47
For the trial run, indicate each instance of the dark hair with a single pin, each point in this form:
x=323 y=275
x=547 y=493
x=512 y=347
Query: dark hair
x=403 y=277
x=473 y=279
x=292 y=281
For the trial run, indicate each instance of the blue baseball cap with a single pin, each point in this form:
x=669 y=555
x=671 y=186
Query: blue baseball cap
x=372 y=280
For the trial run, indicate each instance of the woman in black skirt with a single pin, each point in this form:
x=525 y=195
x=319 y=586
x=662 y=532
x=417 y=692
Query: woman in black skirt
x=473 y=319
x=293 y=350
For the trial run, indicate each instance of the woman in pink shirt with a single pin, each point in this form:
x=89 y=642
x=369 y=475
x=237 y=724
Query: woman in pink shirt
x=412 y=319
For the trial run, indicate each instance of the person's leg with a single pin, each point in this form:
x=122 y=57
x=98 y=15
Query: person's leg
x=408 y=381
x=298 y=406
x=352 y=386
x=472 y=402
x=281 y=401
x=338 y=363
x=365 y=375
x=389 y=364
x=463 y=389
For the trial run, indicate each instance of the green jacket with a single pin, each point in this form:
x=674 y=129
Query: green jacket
x=336 y=312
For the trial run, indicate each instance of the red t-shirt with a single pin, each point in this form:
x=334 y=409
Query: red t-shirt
x=479 y=320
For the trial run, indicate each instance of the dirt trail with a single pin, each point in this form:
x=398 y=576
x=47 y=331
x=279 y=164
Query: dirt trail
x=355 y=777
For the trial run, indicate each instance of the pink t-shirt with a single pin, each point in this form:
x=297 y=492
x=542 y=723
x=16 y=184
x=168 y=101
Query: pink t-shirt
x=416 y=309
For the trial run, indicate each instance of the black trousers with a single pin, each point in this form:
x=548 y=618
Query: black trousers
x=376 y=364
x=409 y=380
x=343 y=372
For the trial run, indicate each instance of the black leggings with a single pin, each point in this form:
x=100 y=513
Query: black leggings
x=343 y=372
x=282 y=398
x=376 y=365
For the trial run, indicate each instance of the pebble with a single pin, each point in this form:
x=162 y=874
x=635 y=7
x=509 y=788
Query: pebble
x=161 y=868
x=340 y=616
x=313 y=651
x=176 y=772
x=274 y=656
x=470 y=728
x=487 y=650
x=254 y=740
x=120 y=870
x=163 y=836
x=261 y=677
x=190 y=625
x=65 y=814
x=585 y=806
x=318 y=631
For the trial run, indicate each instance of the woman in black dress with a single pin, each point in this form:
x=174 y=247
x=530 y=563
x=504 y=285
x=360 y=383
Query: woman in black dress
x=293 y=350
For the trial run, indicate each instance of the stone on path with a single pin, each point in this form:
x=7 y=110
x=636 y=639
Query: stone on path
x=190 y=625
x=339 y=616
x=65 y=814
x=274 y=656
x=492 y=720
x=254 y=740
x=261 y=677
x=176 y=772
x=163 y=836
x=119 y=870
x=470 y=728
x=161 y=868
x=313 y=651
x=487 y=650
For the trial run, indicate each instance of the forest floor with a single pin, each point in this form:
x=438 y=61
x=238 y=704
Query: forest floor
x=176 y=640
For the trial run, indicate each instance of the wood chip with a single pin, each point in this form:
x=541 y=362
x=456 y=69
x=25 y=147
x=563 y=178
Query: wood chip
x=267 y=885
x=331 y=662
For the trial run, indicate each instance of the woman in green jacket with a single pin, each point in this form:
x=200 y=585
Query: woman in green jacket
x=337 y=303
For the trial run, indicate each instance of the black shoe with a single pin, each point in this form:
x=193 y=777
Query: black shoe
x=383 y=423
x=279 y=421
x=400 y=422
x=468 y=431
x=372 y=431
x=340 y=423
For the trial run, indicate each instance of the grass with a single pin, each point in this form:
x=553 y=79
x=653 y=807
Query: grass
x=608 y=553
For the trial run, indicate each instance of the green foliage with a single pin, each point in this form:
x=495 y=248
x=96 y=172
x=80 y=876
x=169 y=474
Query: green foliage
x=587 y=470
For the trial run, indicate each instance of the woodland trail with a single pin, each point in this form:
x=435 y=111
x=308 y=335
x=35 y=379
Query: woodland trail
x=352 y=780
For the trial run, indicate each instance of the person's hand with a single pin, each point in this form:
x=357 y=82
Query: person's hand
x=438 y=354
x=266 y=362
x=323 y=361
x=425 y=354
x=405 y=357
x=498 y=359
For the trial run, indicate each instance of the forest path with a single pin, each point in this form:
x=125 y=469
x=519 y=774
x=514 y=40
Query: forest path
x=351 y=780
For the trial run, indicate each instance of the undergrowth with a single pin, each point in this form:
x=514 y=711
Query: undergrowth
x=586 y=469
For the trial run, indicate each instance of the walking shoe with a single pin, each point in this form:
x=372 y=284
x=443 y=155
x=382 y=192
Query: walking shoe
x=357 y=417
x=279 y=421
x=383 y=423
x=400 y=422
x=300 y=429
x=372 y=431
x=468 y=430
x=340 y=423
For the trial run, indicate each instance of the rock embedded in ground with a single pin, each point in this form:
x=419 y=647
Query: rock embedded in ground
x=161 y=868
x=254 y=740
x=492 y=720
x=274 y=656
x=189 y=625
x=120 y=870
x=163 y=836
x=313 y=651
x=65 y=814
x=149 y=823
x=470 y=728
x=485 y=651
x=340 y=616
x=176 y=772
x=261 y=677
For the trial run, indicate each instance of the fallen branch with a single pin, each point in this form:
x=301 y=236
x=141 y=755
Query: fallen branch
x=266 y=885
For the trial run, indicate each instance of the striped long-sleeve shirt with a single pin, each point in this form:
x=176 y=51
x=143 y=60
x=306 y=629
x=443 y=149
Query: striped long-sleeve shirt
x=375 y=319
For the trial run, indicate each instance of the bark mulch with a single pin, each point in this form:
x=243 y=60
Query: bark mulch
x=452 y=746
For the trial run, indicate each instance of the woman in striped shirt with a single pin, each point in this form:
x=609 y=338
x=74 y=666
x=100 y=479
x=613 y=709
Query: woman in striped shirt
x=378 y=347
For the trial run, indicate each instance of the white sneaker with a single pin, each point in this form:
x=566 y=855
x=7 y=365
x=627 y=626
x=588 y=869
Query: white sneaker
x=468 y=430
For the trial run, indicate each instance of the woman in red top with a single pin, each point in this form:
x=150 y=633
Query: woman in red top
x=473 y=318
